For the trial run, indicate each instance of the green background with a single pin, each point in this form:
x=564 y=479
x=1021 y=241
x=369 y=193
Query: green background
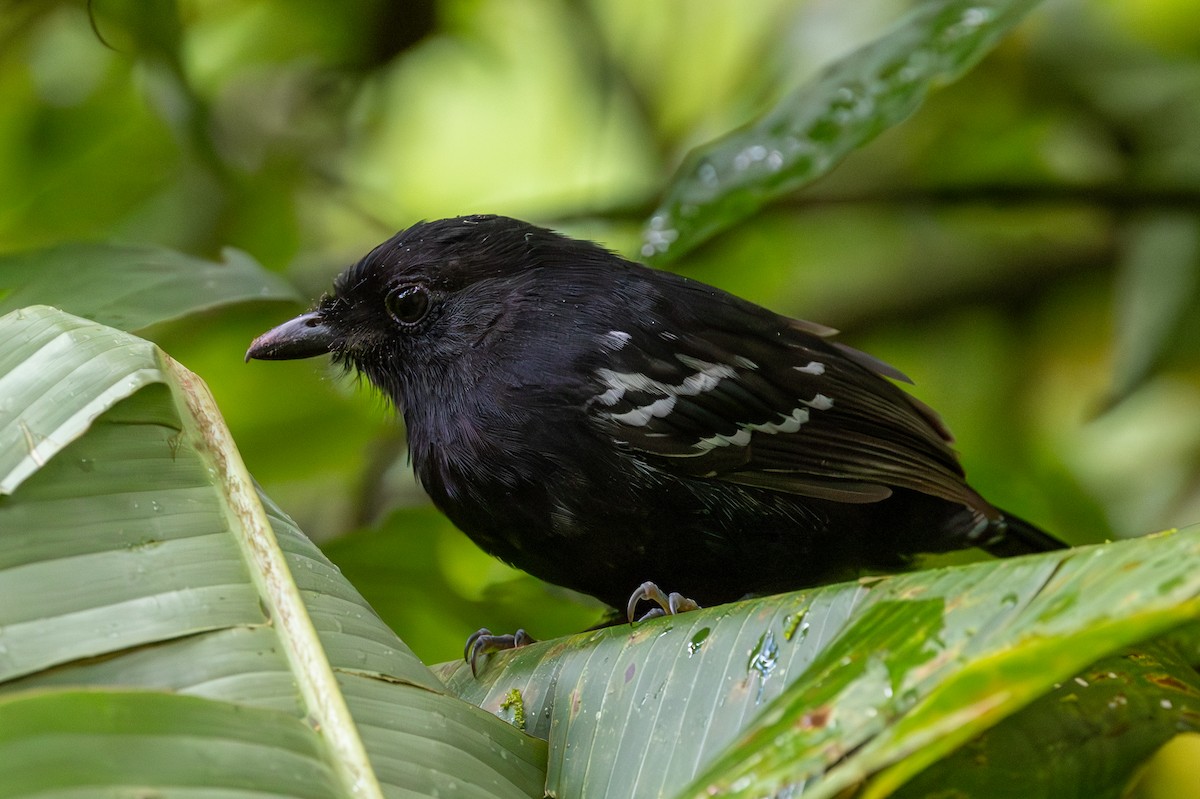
x=1025 y=247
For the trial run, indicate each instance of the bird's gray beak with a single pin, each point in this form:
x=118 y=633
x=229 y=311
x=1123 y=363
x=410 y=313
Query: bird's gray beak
x=303 y=337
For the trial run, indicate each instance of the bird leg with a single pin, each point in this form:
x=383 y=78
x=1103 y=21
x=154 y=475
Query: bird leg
x=668 y=604
x=482 y=642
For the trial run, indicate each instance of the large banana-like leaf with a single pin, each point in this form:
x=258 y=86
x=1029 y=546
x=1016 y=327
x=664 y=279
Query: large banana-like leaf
x=860 y=687
x=165 y=630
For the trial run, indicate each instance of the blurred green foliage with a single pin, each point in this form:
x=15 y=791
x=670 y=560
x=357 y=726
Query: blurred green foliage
x=1025 y=246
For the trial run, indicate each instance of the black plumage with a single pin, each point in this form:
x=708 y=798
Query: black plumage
x=600 y=424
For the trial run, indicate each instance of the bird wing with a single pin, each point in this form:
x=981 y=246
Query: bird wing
x=724 y=389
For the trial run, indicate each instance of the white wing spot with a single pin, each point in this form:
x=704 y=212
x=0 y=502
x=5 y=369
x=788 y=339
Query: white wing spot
x=612 y=396
x=618 y=383
x=638 y=417
x=615 y=339
x=820 y=402
x=739 y=439
x=790 y=424
x=715 y=372
x=697 y=384
x=786 y=424
x=813 y=368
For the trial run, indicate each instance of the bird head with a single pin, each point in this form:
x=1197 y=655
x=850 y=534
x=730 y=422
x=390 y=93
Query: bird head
x=417 y=304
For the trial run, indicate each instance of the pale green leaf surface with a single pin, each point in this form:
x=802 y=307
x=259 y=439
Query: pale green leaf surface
x=45 y=358
x=353 y=636
x=494 y=757
x=140 y=558
x=135 y=575
x=132 y=287
x=827 y=689
x=92 y=742
x=241 y=665
x=811 y=129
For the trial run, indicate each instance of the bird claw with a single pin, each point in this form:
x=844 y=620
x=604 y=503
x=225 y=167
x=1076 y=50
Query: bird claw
x=482 y=642
x=668 y=604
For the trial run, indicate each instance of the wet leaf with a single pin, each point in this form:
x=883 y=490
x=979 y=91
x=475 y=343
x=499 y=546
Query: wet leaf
x=811 y=129
x=856 y=687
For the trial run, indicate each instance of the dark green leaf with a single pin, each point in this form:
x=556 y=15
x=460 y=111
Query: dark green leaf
x=1086 y=738
x=133 y=287
x=811 y=129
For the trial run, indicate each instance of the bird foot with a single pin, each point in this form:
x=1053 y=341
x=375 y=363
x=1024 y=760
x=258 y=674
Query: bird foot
x=482 y=642
x=668 y=604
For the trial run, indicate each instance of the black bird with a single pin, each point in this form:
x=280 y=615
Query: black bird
x=605 y=426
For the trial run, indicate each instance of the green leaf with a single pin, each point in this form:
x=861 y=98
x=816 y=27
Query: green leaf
x=137 y=556
x=1157 y=293
x=121 y=743
x=133 y=287
x=44 y=356
x=811 y=129
x=849 y=687
x=1084 y=738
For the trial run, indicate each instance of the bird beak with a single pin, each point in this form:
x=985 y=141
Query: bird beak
x=303 y=337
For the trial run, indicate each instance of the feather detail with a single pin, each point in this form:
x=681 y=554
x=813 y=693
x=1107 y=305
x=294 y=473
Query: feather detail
x=761 y=400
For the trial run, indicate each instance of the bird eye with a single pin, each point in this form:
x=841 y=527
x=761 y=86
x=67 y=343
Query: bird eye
x=408 y=305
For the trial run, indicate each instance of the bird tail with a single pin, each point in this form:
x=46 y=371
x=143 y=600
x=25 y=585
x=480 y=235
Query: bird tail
x=1019 y=537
